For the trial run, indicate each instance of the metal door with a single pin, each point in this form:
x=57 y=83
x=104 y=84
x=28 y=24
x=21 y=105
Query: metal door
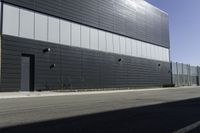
x=27 y=73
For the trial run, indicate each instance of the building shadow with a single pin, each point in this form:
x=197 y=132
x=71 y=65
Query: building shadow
x=160 y=118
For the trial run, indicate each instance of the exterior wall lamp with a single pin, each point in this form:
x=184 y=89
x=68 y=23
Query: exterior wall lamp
x=120 y=60
x=46 y=50
x=52 y=66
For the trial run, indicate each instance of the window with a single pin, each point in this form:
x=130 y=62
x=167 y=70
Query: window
x=134 y=47
x=151 y=51
x=144 y=50
x=148 y=47
x=65 y=32
x=102 y=40
x=109 y=40
x=139 y=48
x=167 y=55
x=76 y=35
x=154 y=52
x=157 y=53
x=26 y=24
x=160 y=53
x=128 y=47
x=122 y=45
x=116 y=44
x=11 y=20
x=85 y=37
x=94 y=39
x=54 y=30
x=163 y=54
x=40 y=27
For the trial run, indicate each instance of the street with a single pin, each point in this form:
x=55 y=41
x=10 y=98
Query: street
x=154 y=111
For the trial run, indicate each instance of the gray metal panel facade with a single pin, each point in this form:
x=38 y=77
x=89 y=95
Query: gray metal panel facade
x=77 y=67
x=84 y=68
x=138 y=20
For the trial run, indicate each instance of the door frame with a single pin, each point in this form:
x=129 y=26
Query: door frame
x=32 y=71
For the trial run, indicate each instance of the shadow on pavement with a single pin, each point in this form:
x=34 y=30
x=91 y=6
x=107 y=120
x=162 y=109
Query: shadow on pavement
x=159 y=118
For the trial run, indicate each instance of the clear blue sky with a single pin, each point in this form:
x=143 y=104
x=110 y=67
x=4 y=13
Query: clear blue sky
x=184 y=17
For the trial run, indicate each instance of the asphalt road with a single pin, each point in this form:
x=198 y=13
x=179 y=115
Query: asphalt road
x=128 y=112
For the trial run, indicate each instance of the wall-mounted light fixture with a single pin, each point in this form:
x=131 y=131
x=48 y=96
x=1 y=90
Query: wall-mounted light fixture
x=52 y=66
x=46 y=50
x=120 y=60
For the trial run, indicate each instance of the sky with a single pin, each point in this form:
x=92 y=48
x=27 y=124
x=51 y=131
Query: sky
x=184 y=23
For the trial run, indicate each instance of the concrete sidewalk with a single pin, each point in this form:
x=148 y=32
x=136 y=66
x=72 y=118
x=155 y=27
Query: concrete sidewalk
x=10 y=95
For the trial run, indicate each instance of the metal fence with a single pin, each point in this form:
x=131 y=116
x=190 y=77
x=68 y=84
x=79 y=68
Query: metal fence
x=185 y=75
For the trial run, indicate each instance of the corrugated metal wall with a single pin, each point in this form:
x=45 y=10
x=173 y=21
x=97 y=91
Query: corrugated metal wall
x=84 y=68
x=132 y=18
x=77 y=67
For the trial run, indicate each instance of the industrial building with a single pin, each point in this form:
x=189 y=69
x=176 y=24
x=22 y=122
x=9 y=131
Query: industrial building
x=83 y=44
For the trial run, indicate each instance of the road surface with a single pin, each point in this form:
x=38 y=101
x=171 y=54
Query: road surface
x=126 y=112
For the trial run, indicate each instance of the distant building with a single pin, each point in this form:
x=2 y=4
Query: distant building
x=70 y=44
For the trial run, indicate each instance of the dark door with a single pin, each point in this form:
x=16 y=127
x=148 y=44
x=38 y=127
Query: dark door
x=198 y=83
x=27 y=72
